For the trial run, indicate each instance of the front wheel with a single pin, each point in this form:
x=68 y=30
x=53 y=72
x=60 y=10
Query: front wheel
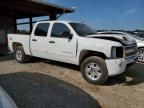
x=94 y=70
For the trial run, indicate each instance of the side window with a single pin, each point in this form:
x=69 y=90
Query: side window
x=59 y=29
x=42 y=29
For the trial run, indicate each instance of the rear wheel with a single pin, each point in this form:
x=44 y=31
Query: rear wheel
x=20 y=55
x=94 y=70
x=140 y=54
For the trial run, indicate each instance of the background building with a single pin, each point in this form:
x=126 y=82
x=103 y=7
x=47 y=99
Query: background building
x=11 y=10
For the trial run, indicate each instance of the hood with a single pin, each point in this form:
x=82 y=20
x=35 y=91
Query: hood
x=123 y=39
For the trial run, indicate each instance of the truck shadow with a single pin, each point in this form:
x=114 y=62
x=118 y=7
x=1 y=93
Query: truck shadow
x=35 y=90
x=135 y=73
x=55 y=63
x=6 y=57
x=64 y=65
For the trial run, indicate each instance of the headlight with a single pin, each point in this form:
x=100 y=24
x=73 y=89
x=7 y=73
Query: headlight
x=117 y=52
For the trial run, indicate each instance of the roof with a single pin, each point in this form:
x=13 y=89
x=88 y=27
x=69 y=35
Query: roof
x=59 y=21
x=30 y=8
x=53 y=5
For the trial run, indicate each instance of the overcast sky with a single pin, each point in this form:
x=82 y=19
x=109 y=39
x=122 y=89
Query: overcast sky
x=106 y=14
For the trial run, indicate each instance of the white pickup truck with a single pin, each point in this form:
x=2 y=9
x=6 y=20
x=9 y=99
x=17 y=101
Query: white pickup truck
x=98 y=55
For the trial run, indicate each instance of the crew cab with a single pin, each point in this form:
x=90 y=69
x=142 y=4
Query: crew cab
x=98 y=55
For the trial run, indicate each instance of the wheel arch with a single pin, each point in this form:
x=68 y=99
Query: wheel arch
x=140 y=47
x=15 y=45
x=87 y=53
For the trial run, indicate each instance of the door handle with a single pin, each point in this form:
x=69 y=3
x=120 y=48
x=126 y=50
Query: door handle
x=34 y=40
x=52 y=42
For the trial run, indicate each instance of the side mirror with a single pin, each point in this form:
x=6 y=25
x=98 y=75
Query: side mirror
x=67 y=34
x=70 y=36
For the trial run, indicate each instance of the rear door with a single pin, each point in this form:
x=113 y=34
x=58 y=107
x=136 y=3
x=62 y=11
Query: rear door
x=39 y=40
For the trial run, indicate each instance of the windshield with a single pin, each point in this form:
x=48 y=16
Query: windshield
x=82 y=29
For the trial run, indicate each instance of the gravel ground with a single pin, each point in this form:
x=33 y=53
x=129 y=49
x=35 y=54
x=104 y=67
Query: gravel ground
x=49 y=84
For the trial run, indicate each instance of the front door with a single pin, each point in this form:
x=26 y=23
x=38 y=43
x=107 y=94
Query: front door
x=60 y=46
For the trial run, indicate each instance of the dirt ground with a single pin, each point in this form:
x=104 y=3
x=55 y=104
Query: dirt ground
x=43 y=83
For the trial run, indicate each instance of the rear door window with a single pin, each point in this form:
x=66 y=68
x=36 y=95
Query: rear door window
x=42 y=29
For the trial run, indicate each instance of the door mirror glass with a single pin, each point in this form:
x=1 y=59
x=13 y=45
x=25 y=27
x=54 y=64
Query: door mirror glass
x=42 y=29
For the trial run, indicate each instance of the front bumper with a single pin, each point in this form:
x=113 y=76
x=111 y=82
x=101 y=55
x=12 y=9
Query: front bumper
x=118 y=66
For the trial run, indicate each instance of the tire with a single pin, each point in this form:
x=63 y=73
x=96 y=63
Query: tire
x=94 y=70
x=140 y=54
x=20 y=55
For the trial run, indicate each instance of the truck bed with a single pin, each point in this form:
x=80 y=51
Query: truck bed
x=19 y=38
